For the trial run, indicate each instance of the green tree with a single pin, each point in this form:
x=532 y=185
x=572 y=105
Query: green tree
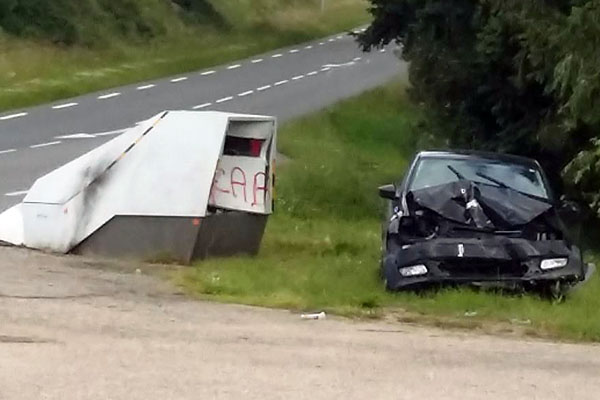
x=519 y=76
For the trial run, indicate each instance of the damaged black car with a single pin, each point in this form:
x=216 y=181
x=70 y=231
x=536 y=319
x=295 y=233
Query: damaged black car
x=479 y=218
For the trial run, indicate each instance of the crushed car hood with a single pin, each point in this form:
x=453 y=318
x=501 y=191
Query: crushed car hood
x=483 y=206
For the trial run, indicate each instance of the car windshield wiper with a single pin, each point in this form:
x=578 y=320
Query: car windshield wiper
x=494 y=180
x=505 y=186
x=455 y=171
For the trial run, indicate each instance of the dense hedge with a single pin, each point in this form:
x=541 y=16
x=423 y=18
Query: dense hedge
x=89 y=22
x=519 y=76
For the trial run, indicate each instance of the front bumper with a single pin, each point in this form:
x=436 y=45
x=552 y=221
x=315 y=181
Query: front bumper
x=502 y=259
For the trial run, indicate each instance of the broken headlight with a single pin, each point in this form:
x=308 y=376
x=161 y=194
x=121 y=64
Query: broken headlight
x=422 y=225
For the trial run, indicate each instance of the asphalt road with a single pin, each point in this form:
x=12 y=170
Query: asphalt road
x=72 y=328
x=285 y=83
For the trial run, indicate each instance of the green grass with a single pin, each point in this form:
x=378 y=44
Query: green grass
x=321 y=247
x=33 y=71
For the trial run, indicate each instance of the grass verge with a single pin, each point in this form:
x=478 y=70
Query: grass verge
x=34 y=72
x=321 y=247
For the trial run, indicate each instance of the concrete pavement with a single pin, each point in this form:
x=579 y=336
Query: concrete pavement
x=73 y=328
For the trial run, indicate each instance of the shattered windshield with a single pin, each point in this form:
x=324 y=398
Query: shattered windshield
x=439 y=171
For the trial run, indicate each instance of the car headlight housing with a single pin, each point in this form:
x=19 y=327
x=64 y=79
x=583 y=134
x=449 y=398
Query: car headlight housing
x=554 y=263
x=413 y=270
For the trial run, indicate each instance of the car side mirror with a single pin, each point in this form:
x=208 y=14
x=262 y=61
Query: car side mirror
x=387 y=192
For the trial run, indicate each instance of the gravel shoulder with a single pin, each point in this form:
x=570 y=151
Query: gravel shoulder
x=82 y=329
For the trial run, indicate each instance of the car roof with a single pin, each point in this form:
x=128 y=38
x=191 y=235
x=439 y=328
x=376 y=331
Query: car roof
x=466 y=154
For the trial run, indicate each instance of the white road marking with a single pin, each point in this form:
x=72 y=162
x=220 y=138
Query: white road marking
x=202 y=106
x=294 y=51
x=312 y=73
x=183 y=78
x=382 y=51
x=208 y=73
x=246 y=93
x=13 y=116
x=76 y=136
x=224 y=99
x=67 y=105
x=339 y=65
x=297 y=77
x=8 y=151
x=236 y=66
x=146 y=87
x=108 y=133
x=277 y=55
x=357 y=59
x=283 y=82
x=321 y=44
x=16 y=194
x=308 y=47
x=109 y=96
x=332 y=40
x=325 y=69
x=258 y=60
x=37 y=146
x=340 y=37
x=262 y=88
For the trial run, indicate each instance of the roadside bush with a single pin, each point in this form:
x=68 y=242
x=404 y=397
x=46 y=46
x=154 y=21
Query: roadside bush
x=201 y=11
x=91 y=22
x=34 y=17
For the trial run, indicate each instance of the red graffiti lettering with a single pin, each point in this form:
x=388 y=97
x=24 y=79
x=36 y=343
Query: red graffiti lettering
x=235 y=181
x=215 y=186
x=257 y=188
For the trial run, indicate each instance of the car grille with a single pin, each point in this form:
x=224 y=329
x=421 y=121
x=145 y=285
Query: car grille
x=483 y=268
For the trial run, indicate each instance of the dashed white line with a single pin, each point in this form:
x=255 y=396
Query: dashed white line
x=13 y=116
x=183 y=78
x=357 y=59
x=205 y=73
x=312 y=73
x=294 y=51
x=224 y=99
x=67 y=105
x=325 y=69
x=262 y=88
x=382 y=51
x=236 y=66
x=283 y=82
x=258 y=60
x=146 y=87
x=297 y=77
x=202 y=106
x=321 y=44
x=37 y=146
x=340 y=37
x=8 y=151
x=109 y=96
x=76 y=136
x=246 y=93
x=277 y=55
x=16 y=194
x=332 y=40
x=308 y=47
